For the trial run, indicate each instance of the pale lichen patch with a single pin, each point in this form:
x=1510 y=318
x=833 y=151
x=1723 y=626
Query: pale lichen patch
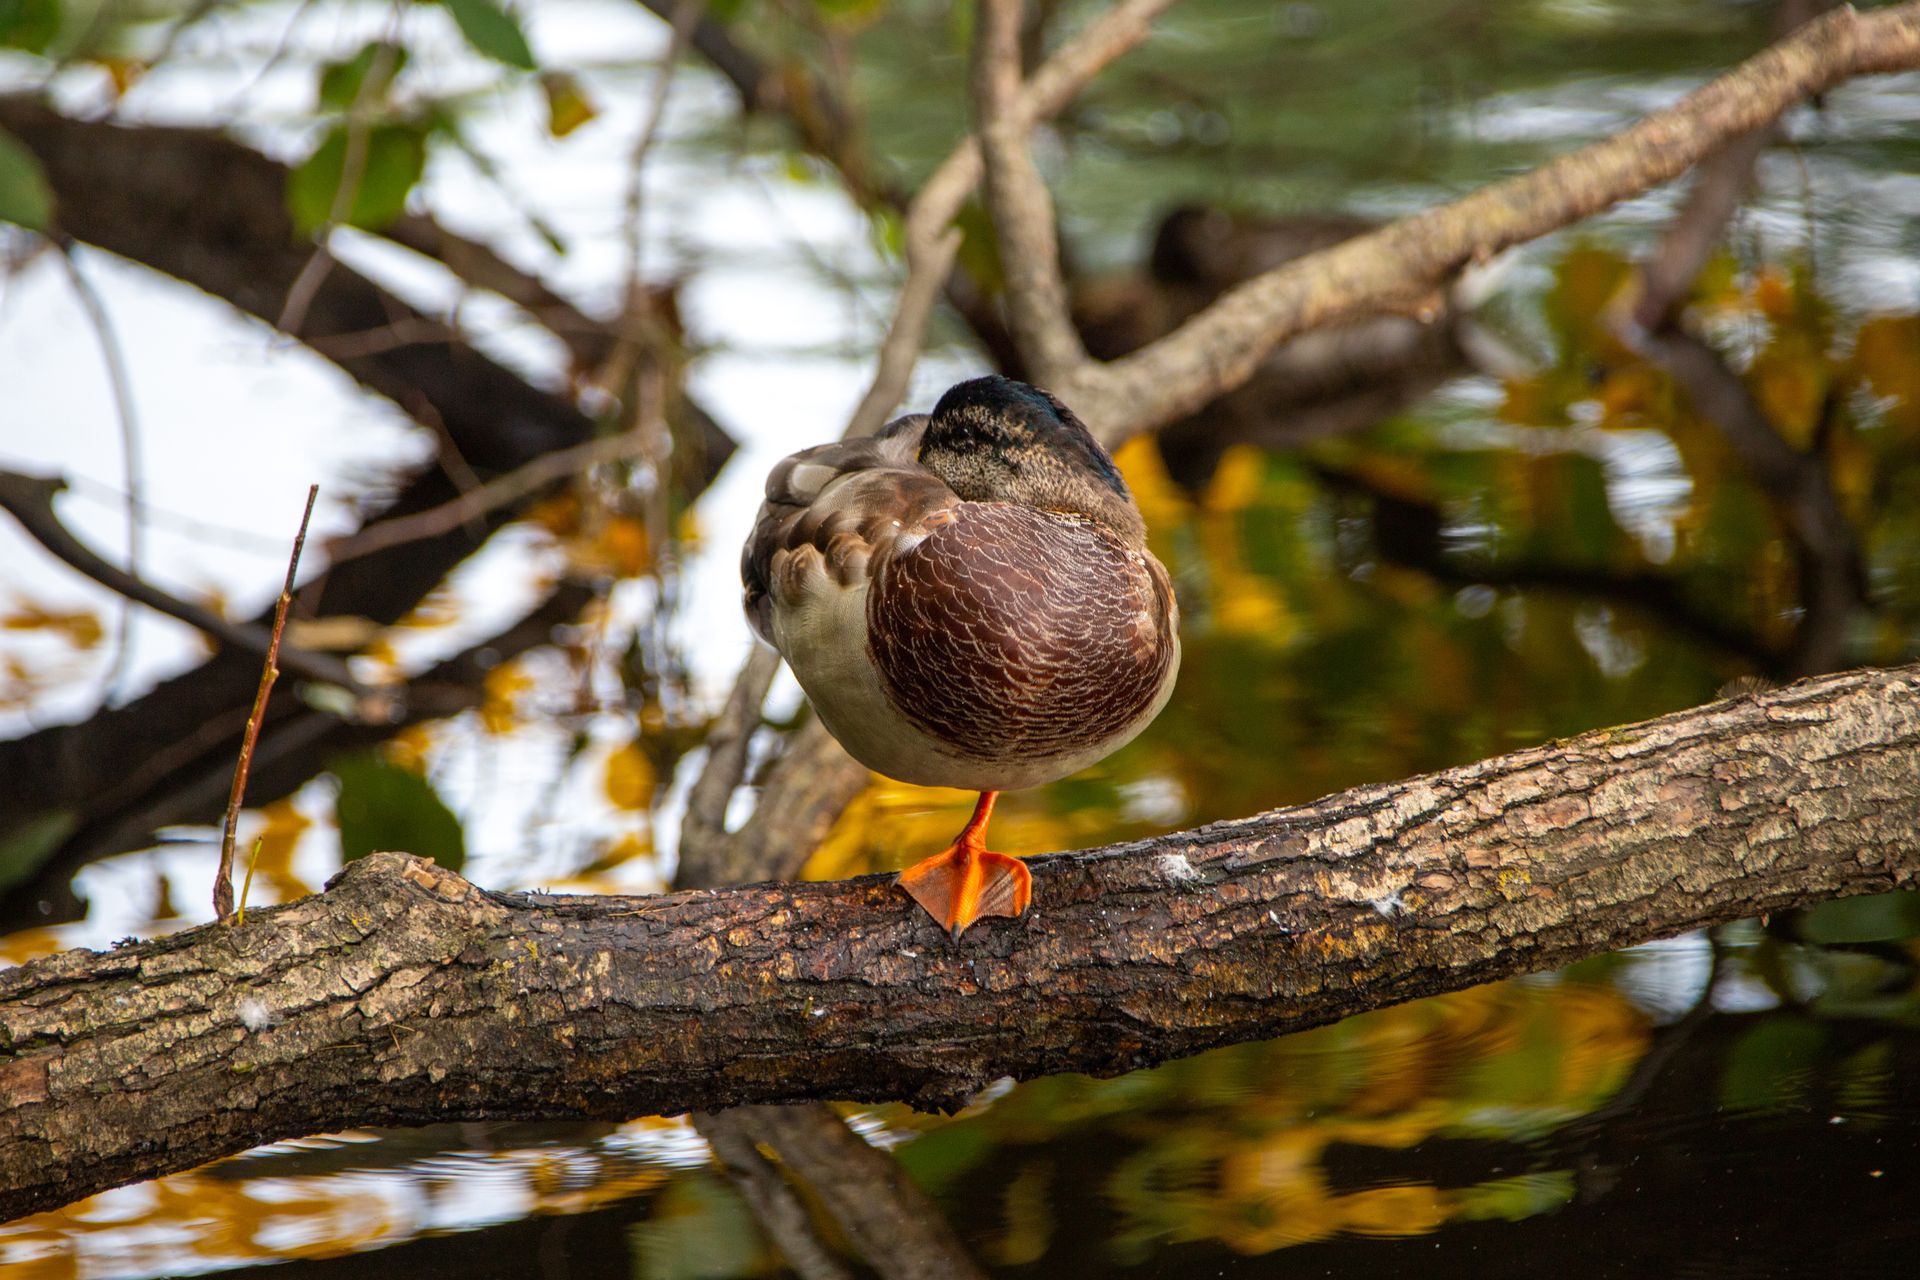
x=254 y=1014
x=1177 y=868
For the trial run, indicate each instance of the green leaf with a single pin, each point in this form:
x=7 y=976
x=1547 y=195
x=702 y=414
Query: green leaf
x=29 y=24
x=493 y=31
x=341 y=82
x=25 y=198
x=698 y=1229
x=568 y=106
x=1884 y=917
x=1770 y=1066
x=393 y=160
x=382 y=806
x=26 y=847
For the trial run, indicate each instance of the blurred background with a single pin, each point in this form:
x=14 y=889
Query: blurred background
x=630 y=252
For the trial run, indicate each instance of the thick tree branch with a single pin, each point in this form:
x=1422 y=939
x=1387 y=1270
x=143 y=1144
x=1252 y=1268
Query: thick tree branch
x=404 y=994
x=1222 y=346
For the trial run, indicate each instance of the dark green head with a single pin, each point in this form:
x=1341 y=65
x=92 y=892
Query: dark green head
x=996 y=440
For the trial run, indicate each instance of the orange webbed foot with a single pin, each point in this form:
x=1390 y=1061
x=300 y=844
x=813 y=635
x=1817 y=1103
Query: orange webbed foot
x=967 y=880
x=959 y=885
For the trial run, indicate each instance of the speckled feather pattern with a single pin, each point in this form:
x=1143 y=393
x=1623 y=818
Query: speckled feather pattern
x=1011 y=632
x=993 y=641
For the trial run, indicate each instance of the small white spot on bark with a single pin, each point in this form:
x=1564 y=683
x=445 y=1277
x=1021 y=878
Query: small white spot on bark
x=1177 y=869
x=254 y=1015
x=1389 y=906
x=816 y=1013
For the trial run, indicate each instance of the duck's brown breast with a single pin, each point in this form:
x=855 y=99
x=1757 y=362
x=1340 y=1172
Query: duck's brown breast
x=1010 y=633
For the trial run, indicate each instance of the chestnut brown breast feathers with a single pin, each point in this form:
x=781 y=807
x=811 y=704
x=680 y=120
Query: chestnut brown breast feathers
x=1014 y=632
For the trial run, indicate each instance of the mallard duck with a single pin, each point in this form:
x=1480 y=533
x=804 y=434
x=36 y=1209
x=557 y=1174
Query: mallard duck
x=968 y=600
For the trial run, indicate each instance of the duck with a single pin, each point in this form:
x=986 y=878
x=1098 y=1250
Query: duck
x=967 y=599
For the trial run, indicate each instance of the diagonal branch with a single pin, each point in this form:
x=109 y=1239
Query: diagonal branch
x=29 y=500
x=537 y=1006
x=1220 y=348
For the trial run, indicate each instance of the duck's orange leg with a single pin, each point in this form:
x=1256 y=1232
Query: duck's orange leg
x=967 y=880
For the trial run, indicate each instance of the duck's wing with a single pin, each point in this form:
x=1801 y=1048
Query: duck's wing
x=831 y=512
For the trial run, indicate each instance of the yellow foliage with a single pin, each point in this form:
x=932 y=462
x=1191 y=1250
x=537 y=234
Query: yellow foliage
x=1789 y=381
x=1773 y=293
x=629 y=777
x=34 y=943
x=409 y=746
x=279 y=838
x=1526 y=403
x=624 y=849
x=440 y=607
x=1631 y=394
x=568 y=106
x=895 y=824
x=620 y=549
x=1886 y=355
x=78 y=627
x=558 y=514
x=1161 y=502
x=501 y=690
x=1237 y=480
x=1410 y=1209
x=688 y=531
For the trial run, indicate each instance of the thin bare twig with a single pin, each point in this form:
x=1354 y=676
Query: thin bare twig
x=1046 y=93
x=1720 y=185
x=133 y=475
x=1023 y=226
x=686 y=13
x=1832 y=577
x=269 y=671
x=407 y=331
x=1648 y=317
x=728 y=739
x=246 y=884
x=29 y=500
x=587 y=338
x=501 y=491
x=353 y=164
x=927 y=269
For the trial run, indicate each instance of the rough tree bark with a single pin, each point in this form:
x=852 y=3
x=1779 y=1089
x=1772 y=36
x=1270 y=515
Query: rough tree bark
x=404 y=994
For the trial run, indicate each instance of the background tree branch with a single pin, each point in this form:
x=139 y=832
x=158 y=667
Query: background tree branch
x=1222 y=346
x=211 y=212
x=405 y=994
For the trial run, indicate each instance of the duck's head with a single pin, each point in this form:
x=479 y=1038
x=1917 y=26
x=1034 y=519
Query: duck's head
x=996 y=440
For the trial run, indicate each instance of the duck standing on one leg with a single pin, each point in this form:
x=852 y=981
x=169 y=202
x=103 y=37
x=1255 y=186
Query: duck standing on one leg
x=968 y=600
